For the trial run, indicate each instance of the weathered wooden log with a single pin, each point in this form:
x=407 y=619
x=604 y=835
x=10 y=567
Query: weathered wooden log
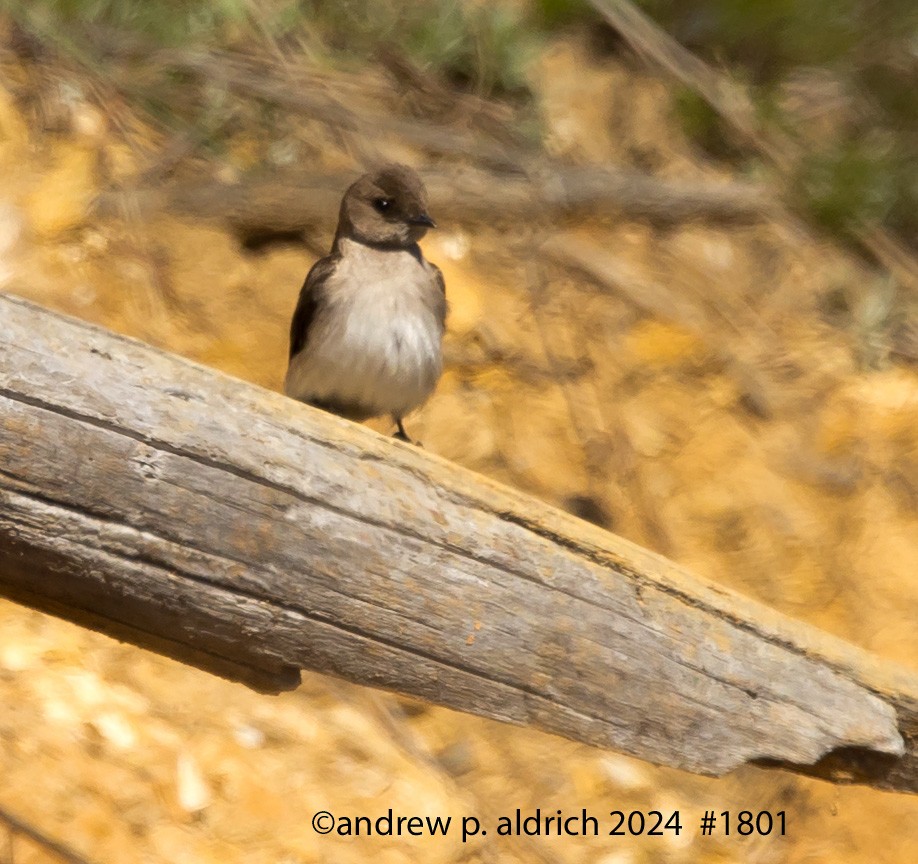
x=237 y=530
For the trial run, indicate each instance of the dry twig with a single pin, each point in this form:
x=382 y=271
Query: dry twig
x=17 y=826
x=734 y=104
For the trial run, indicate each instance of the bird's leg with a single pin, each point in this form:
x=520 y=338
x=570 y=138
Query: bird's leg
x=402 y=435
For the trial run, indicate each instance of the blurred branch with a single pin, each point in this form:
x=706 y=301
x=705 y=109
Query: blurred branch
x=19 y=826
x=309 y=94
x=510 y=177
x=603 y=439
x=296 y=201
x=660 y=301
x=492 y=118
x=724 y=95
x=733 y=104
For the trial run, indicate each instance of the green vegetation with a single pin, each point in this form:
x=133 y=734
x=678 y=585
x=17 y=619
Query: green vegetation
x=863 y=147
x=147 y=51
x=864 y=164
x=72 y=24
x=481 y=46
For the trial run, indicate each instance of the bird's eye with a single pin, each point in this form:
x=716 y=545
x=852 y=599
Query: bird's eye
x=382 y=204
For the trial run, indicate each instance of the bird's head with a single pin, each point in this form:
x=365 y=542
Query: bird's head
x=387 y=206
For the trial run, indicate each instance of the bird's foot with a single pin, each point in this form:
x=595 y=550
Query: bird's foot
x=402 y=435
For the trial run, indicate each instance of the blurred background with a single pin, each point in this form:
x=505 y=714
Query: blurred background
x=684 y=292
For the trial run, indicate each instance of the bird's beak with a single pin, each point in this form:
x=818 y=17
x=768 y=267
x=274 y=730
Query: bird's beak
x=422 y=219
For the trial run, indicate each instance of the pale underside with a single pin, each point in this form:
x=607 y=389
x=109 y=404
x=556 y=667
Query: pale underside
x=375 y=345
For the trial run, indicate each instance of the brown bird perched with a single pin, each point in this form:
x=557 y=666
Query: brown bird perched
x=366 y=335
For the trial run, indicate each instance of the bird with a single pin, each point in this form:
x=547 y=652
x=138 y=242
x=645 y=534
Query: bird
x=366 y=336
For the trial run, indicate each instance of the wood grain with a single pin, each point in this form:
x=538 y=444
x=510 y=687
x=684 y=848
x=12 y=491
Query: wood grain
x=237 y=530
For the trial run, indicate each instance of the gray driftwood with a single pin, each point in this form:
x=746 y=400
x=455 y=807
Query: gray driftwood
x=237 y=530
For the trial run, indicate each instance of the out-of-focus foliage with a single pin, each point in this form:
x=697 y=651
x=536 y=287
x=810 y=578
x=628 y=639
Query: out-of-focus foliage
x=841 y=73
x=703 y=124
x=149 y=52
x=483 y=46
x=71 y=23
x=559 y=12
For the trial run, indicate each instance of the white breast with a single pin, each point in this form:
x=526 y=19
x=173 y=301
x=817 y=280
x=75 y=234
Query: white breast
x=377 y=345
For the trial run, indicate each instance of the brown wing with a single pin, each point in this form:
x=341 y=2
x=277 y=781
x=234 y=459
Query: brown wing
x=442 y=307
x=312 y=296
